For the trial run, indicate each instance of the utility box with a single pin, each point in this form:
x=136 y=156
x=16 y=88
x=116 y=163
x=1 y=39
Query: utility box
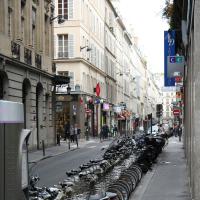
x=13 y=152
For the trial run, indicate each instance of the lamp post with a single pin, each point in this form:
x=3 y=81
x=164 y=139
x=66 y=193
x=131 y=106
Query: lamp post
x=88 y=48
x=60 y=19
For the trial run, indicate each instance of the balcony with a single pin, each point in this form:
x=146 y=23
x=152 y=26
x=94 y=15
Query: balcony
x=15 y=49
x=27 y=56
x=38 y=61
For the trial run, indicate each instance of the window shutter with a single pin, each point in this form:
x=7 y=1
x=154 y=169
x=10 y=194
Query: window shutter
x=55 y=46
x=70 y=9
x=72 y=85
x=71 y=45
x=92 y=54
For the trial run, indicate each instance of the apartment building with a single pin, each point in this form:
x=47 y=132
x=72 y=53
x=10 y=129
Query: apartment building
x=94 y=48
x=154 y=93
x=26 y=63
x=79 y=53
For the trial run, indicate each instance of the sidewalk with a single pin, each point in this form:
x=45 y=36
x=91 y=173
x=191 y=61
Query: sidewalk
x=168 y=180
x=36 y=156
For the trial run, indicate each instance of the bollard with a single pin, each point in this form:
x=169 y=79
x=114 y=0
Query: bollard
x=69 y=143
x=43 y=148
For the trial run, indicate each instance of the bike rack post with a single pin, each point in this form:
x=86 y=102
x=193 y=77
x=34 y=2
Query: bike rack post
x=43 y=148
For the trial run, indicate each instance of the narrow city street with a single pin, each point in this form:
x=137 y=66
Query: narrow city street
x=53 y=170
x=91 y=92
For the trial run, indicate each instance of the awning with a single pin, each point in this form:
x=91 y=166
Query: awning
x=60 y=80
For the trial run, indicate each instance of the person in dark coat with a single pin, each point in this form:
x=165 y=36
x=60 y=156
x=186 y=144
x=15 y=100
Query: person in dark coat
x=180 y=133
x=176 y=129
x=67 y=131
x=115 y=130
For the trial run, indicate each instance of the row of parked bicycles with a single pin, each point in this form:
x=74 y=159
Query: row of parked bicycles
x=113 y=177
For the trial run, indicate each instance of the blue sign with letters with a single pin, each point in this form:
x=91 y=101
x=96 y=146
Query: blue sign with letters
x=169 y=50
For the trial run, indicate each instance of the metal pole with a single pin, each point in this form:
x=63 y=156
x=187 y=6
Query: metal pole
x=151 y=123
x=69 y=142
x=43 y=148
x=126 y=128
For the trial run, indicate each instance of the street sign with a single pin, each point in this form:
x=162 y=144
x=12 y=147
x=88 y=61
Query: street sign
x=169 y=50
x=176 y=112
x=175 y=66
x=178 y=79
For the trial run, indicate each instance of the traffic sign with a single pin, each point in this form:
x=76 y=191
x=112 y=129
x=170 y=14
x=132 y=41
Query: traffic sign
x=176 y=112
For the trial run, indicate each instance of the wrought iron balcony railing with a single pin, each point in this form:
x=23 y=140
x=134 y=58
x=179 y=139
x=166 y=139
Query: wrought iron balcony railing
x=15 y=49
x=38 y=61
x=27 y=56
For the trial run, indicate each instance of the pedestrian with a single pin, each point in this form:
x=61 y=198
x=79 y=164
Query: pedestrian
x=67 y=131
x=115 y=130
x=58 y=135
x=180 y=133
x=101 y=134
x=106 y=130
x=171 y=132
x=76 y=132
x=72 y=133
x=176 y=128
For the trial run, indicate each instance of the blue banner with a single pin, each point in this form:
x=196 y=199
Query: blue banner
x=169 y=50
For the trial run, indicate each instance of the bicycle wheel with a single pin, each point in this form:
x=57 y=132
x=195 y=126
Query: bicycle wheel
x=123 y=188
x=138 y=169
x=129 y=180
x=132 y=176
x=118 y=192
x=135 y=174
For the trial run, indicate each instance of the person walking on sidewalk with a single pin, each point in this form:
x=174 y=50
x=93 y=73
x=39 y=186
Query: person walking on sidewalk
x=180 y=133
x=76 y=132
x=67 y=131
x=176 y=129
x=72 y=133
x=58 y=135
x=115 y=130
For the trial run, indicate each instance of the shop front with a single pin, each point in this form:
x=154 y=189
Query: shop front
x=69 y=110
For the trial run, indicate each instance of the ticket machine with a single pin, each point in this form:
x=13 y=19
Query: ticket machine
x=13 y=152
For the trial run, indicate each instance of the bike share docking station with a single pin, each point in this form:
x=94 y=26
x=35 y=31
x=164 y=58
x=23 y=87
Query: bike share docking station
x=14 y=179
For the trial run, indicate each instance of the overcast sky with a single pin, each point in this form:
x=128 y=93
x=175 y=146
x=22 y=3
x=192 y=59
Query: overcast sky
x=145 y=17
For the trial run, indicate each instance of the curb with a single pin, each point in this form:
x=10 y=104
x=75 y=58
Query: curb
x=50 y=156
x=60 y=153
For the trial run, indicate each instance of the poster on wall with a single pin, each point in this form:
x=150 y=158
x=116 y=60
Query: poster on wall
x=175 y=66
x=106 y=106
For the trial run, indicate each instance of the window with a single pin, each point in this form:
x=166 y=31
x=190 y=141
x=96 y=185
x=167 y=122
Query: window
x=65 y=9
x=72 y=85
x=33 y=26
x=1 y=87
x=10 y=22
x=46 y=19
x=63 y=46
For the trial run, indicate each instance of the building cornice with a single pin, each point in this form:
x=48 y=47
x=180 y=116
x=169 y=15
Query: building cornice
x=78 y=59
x=18 y=63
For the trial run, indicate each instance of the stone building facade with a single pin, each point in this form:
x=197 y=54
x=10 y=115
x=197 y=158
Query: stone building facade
x=94 y=48
x=26 y=64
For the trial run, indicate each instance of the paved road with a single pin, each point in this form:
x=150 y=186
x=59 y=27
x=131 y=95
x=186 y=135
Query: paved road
x=52 y=170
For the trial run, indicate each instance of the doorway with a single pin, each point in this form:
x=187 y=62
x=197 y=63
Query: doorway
x=39 y=109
